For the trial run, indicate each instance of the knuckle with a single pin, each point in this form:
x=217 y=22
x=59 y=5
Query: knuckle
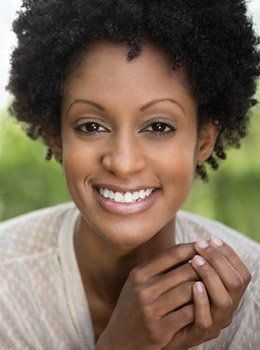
x=236 y=284
x=227 y=323
x=181 y=270
x=187 y=270
x=204 y=326
x=149 y=316
x=152 y=327
x=231 y=253
x=213 y=334
x=142 y=296
x=248 y=277
x=177 y=252
x=227 y=304
x=186 y=288
x=206 y=269
x=187 y=313
x=136 y=276
x=154 y=336
x=215 y=255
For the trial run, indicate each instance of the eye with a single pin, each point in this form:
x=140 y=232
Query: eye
x=160 y=129
x=90 y=128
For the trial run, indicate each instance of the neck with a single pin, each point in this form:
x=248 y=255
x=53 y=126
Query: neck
x=105 y=268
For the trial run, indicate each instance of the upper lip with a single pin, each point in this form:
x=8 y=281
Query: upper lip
x=125 y=189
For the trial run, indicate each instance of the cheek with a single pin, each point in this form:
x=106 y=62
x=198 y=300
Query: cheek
x=78 y=164
x=177 y=169
x=78 y=156
x=177 y=158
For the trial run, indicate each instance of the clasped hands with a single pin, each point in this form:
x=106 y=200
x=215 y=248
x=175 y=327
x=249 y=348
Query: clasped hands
x=160 y=307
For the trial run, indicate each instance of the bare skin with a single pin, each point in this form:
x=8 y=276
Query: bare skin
x=149 y=300
x=126 y=152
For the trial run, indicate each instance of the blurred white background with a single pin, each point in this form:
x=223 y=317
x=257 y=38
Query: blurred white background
x=8 y=10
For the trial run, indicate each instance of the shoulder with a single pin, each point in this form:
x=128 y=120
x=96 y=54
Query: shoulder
x=33 y=304
x=31 y=233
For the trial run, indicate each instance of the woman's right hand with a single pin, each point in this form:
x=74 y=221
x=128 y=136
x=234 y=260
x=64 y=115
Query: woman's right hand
x=152 y=306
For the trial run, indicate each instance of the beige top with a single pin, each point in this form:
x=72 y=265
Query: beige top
x=42 y=298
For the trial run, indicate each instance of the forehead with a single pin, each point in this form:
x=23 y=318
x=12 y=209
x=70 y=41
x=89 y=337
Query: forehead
x=105 y=72
x=109 y=59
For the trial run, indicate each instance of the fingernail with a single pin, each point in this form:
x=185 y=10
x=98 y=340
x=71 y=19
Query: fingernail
x=199 y=287
x=216 y=241
x=198 y=260
x=202 y=244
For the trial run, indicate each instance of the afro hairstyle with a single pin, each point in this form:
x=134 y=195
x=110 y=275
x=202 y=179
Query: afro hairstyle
x=214 y=39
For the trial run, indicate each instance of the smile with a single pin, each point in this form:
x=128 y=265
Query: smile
x=126 y=197
x=129 y=203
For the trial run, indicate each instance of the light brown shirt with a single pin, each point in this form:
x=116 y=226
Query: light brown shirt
x=42 y=298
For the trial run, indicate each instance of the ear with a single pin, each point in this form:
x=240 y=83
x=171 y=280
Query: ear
x=207 y=140
x=55 y=144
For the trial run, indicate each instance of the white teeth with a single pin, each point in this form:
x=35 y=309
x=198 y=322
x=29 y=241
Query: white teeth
x=135 y=196
x=118 y=197
x=111 y=195
x=125 y=198
x=142 y=194
x=128 y=197
x=106 y=193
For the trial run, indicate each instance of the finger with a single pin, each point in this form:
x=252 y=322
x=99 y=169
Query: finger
x=176 y=320
x=173 y=299
x=218 y=295
x=203 y=319
x=202 y=315
x=232 y=257
x=173 y=278
x=177 y=254
x=231 y=279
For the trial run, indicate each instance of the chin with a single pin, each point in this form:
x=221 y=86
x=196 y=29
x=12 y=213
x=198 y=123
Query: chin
x=128 y=236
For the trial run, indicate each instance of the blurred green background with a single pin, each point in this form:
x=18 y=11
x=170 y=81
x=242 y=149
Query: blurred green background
x=232 y=195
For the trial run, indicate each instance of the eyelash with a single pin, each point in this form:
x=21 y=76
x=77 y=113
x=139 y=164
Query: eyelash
x=79 y=127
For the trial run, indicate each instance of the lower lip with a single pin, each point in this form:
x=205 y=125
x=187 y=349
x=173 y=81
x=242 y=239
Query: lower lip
x=127 y=208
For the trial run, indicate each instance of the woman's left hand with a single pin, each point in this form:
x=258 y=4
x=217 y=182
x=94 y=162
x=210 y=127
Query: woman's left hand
x=226 y=278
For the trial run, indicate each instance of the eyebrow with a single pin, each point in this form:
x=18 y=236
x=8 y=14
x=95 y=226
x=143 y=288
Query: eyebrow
x=151 y=103
x=144 y=107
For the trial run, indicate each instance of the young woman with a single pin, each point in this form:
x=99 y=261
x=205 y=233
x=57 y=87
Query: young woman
x=133 y=98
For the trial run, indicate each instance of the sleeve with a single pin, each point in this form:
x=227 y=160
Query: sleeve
x=16 y=331
x=33 y=314
x=247 y=336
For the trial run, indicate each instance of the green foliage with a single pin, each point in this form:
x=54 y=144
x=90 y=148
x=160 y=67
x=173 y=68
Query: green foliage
x=232 y=196
x=29 y=182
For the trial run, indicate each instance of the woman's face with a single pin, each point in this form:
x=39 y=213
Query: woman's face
x=129 y=148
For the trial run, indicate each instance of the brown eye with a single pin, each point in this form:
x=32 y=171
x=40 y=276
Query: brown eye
x=88 y=128
x=162 y=129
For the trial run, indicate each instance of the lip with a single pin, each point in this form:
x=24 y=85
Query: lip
x=125 y=189
x=127 y=208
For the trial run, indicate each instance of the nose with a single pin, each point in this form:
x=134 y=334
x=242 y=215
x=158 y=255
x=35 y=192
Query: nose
x=124 y=156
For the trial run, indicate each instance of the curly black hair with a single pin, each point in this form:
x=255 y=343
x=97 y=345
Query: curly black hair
x=214 y=39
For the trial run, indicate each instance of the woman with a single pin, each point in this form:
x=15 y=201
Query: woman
x=132 y=98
